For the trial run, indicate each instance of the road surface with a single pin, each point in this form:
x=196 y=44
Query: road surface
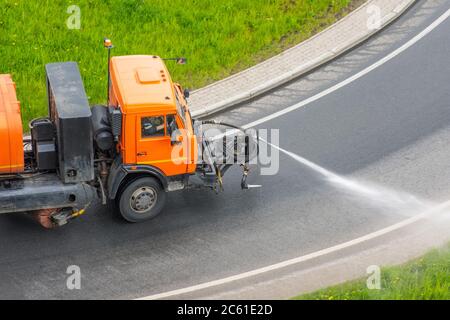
x=389 y=127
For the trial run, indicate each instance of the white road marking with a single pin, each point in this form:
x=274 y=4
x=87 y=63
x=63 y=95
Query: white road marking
x=360 y=74
x=341 y=246
x=304 y=258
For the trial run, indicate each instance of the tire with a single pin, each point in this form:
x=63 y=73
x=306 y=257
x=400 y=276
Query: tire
x=142 y=199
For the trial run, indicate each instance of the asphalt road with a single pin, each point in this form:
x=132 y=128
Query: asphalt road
x=390 y=127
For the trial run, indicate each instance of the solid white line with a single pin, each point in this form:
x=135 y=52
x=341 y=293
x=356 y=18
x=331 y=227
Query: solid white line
x=304 y=258
x=360 y=74
x=341 y=246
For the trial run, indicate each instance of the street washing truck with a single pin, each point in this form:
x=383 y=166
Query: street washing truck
x=130 y=152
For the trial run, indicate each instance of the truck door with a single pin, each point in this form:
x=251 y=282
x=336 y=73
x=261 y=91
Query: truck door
x=185 y=118
x=154 y=146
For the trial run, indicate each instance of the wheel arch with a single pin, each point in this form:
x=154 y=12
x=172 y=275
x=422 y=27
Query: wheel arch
x=121 y=175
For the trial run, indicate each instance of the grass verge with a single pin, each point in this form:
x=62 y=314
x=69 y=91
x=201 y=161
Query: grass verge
x=218 y=37
x=425 y=278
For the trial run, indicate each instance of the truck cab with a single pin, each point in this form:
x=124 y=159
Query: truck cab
x=155 y=116
x=155 y=142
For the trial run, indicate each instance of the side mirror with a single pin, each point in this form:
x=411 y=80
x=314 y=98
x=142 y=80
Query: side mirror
x=186 y=93
x=181 y=60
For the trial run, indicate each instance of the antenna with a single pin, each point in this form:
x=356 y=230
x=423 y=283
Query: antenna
x=107 y=43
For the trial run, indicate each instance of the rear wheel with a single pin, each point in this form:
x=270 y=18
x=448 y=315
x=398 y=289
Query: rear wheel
x=142 y=199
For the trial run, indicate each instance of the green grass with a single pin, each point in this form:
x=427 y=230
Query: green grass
x=425 y=278
x=218 y=37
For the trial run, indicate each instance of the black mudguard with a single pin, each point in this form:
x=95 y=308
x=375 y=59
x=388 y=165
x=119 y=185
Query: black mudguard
x=119 y=173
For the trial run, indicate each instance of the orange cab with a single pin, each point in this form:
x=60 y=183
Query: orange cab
x=156 y=122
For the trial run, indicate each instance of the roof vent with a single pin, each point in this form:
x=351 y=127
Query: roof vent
x=148 y=76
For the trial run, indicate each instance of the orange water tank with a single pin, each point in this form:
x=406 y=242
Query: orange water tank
x=11 y=139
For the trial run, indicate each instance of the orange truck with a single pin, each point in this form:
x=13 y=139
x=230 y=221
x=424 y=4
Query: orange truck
x=132 y=151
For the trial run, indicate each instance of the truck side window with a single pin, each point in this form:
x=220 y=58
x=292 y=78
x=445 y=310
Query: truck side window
x=171 y=124
x=152 y=127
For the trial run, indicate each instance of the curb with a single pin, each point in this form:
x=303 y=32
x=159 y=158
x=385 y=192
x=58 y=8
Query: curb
x=325 y=57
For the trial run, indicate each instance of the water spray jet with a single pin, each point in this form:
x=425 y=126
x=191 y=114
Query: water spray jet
x=379 y=196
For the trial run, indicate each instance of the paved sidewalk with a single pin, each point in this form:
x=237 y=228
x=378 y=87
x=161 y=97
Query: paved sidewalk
x=321 y=48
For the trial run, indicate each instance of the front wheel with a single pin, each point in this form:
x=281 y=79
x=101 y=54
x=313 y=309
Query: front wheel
x=142 y=199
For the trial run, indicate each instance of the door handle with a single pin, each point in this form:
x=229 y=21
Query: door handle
x=140 y=154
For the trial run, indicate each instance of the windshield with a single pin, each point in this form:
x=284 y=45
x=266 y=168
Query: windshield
x=181 y=111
